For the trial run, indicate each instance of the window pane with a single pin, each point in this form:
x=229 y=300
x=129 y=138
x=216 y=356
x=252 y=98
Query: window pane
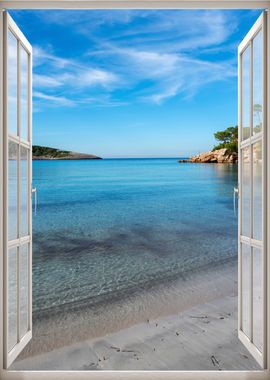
x=24 y=93
x=257 y=191
x=12 y=298
x=24 y=192
x=246 y=191
x=246 y=289
x=23 y=289
x=257 y=83
x=12 y=84
x=257 y=298
x=246 y=94
x=12 y=190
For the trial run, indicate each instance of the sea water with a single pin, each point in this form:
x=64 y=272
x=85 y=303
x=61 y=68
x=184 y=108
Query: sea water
x=109 y=227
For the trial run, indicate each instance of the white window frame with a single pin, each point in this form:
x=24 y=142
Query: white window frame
x=260 y=24
x=18 y=242
x=133 y=4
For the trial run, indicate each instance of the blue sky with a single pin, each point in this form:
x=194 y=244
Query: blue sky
x=134 y=83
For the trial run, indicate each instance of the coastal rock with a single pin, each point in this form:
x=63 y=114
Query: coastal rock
x=217 y=156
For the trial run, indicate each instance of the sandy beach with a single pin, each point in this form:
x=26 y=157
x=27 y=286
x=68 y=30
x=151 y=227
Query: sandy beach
x=202 y=338
x=189 y=324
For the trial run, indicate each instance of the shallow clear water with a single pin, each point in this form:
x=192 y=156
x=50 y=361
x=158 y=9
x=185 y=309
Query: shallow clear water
x=108 y=227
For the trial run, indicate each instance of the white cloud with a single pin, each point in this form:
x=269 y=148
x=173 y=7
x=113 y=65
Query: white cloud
x=74 y=78
x=161 y=55
x=42 y=56
x=54 y=99
x=169 y=74
x=167 y=92
x=92 y=77
x=171 y=52
x=41 y=81
x=150 y=63
x=84 y=21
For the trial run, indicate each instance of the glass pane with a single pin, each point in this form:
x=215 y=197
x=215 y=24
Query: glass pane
x=12 y=84
x=12 y=298
x=257 y=298
x=246 y=191
x=257 y=83
x=246 y=94
x=24 y=94
x=246 y=289
x=23 y=289
x=24 y=192
x=12 y=189
x=257 y=191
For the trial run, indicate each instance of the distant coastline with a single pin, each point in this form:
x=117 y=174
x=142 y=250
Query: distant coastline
x=47 y=153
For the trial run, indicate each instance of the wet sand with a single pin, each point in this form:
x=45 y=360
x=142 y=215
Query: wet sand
x=77 y=322
x=188 y=323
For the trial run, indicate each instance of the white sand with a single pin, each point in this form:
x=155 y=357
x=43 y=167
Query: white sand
x=201 y=338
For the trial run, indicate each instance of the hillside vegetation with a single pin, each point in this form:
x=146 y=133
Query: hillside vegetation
x=47 y=153
x=228 y=139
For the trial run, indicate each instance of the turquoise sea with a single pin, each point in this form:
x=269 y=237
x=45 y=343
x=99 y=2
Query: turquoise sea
x=108 y=228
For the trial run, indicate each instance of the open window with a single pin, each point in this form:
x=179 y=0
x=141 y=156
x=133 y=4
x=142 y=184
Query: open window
x=17 y=191
x=252 y=191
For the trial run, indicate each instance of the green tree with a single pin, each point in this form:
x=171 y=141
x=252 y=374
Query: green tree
x=227 y=139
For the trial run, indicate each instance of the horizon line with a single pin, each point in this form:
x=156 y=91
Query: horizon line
x=141 y=157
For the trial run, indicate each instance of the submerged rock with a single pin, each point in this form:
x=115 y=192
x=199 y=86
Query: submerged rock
x=216 y=156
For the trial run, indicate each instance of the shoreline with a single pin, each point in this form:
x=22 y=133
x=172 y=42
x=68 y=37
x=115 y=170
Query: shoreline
x=151 y=286
x=203 y=337
x=77 y=325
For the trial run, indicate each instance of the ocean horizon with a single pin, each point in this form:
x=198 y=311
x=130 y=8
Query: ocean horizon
x=144 y=158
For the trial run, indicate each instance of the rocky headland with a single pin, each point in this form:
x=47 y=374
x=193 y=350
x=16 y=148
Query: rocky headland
x=219 y=156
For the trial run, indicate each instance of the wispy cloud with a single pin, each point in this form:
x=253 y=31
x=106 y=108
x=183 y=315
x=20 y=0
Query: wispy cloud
x=133 y=56
x=54 y=99
x=167 y=74
x=167 y=51
x=41 y=81
x=63 y=71
x=53 y=74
